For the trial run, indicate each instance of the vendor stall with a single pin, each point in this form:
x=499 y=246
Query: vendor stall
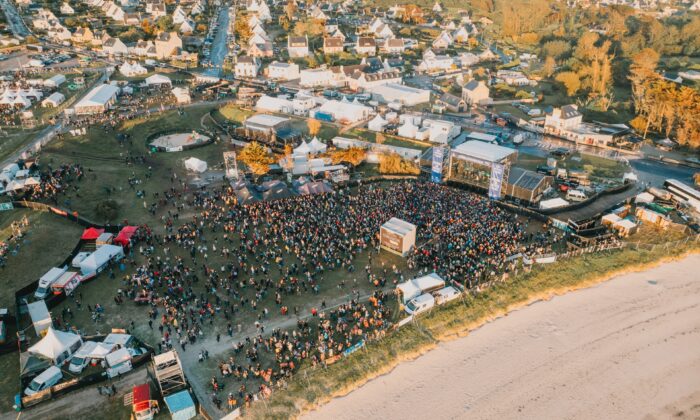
x=181 y=405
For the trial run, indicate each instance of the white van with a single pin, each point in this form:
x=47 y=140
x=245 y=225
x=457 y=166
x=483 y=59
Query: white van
x=445 y=295
x=81 y=358
x=47 y=280
x=575 y=195
x=420 y=304
x=45 y=380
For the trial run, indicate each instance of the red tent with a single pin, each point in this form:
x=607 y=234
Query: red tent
x=90 y=234
x=125 y=235
x=142 y=398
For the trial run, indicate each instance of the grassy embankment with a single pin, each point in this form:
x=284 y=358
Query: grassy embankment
x=311 y=388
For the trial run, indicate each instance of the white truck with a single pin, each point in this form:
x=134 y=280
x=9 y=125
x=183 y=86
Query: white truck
x=45 y=282
x=426 y=301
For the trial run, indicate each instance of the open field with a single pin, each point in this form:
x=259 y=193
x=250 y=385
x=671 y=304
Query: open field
x=104 y=159
x=601 y=352
x=315 y=387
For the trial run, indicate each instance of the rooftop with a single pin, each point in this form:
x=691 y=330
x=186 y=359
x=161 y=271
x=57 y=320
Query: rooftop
x=483 y=151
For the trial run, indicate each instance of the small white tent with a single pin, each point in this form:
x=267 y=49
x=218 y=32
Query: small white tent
x=57 y=346
x=303 y=149
x=196 y=165
x=377 y=124
x=158 y=80
x=316 y=146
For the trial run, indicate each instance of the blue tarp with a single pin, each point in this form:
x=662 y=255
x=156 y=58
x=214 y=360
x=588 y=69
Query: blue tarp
x=181 y=405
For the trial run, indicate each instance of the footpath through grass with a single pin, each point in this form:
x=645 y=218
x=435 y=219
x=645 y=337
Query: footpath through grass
x=312 y=387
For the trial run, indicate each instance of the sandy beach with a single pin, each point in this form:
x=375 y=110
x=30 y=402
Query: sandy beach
x=628 y=348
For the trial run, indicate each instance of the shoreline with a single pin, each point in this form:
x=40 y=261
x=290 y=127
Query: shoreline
x=320 y=387
x=397 y=378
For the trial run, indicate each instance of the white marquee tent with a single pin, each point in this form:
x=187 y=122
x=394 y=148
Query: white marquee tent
x=57 y=346
x=196 y=165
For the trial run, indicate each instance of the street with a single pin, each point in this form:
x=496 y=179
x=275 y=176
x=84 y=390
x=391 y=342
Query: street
x=219 y=47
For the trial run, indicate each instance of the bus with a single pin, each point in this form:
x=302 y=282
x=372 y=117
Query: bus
x=683 y=193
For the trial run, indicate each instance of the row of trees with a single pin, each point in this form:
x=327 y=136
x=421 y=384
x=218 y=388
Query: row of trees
x=662 y=106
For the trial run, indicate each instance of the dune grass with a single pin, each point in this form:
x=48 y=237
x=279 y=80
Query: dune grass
x=312 y=387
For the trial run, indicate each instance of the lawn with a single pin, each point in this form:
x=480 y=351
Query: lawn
x=108 y=172
x=232 y=113
x=12 y=140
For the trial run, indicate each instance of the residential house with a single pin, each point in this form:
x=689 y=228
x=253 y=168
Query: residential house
x=567 y=123
x=475 y=93
x=187 y=27
x=320 y=77
x=298 y=46
x=393 y=46
x=179 y=15
x=513 y=78
x=257 y=38
x=83 y=36
x=444 y=40
x=264 y=49
x=318 y=14
x=156 y=10
x=167 y=44
x=332 y=45
x=461 y=35
x=59 y=33
x=436 y=63
x=366 y=46
x=247 y=66
x=114 y=46
x=66 y=9
x=360 y=80
x=144 y=49
x=452 y=102
x=132 y=18
x=283 y=71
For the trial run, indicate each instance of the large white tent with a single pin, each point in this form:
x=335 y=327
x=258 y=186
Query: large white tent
x=57 y=346
x=196 y=165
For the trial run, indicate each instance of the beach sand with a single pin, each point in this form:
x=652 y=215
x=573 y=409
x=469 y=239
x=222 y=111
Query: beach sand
x=628 y=348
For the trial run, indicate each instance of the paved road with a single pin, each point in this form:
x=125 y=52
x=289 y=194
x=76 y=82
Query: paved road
x=14 y=19
x=626 y=349
x=219 y=47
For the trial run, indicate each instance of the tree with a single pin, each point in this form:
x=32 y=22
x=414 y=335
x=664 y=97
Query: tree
x=392 y=163
x=379 y=138
x=165 y=23
x=696 y=178
x=290 y=10
x=310 y=27
x=314 y=126
x=353 y=156
x=556 y=49
x=242 y=28
x=256 y=157
x=571 y=81
x=549 y=66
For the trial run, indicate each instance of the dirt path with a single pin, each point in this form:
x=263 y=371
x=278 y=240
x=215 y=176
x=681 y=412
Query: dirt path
x=625 y=349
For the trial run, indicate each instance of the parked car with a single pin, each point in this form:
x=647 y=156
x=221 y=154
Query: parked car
x=45 y=380
x=420 y=304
